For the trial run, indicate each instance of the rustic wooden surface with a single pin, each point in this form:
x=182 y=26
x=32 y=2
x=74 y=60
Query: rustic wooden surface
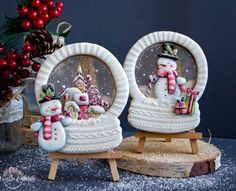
x=168 y=159
x=111 y=156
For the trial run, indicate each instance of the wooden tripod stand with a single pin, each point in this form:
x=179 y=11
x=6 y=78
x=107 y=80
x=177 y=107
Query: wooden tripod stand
x=111 y=156
x=191 y=135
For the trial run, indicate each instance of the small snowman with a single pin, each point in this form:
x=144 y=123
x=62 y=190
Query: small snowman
x=51 y=133
x=167 y=84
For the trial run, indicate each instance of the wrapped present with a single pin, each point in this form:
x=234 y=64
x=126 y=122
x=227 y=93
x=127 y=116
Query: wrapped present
x=190 y=100
x=180 y=107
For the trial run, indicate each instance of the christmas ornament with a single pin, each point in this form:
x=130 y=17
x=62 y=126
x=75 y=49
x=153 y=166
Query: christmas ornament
x=51 y=133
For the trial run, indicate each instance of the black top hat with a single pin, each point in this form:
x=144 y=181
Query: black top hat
x=48 y=93
x=169 y=51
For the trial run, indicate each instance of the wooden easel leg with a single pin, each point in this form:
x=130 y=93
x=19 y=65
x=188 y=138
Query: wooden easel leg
x=82 y=161
x=194 y=146
x=168 y=139
x=141 y=144
x=114 y=170
x=53 y=169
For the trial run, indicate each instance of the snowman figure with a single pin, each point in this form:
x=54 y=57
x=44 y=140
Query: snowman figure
x=51 y=133
x=167 y=84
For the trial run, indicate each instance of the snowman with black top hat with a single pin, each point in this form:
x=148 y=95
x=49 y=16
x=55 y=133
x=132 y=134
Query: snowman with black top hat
x=50 y=129
x=167 y=84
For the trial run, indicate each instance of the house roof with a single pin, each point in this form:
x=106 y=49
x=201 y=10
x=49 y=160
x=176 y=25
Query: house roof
x=93 y=88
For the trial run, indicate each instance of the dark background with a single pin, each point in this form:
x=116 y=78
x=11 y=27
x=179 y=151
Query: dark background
x=117 y=25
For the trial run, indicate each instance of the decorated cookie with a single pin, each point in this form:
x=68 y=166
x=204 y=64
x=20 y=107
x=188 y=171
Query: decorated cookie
x=50 y=129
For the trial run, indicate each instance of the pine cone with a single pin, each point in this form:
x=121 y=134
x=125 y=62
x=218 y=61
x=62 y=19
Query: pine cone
x=42 y=42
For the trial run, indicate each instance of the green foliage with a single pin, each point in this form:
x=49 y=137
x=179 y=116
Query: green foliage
x=24 y=2
x=48 y=93
x=11 y=32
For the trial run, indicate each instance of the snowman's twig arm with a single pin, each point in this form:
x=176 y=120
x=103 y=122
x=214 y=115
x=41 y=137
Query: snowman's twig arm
x=36 y=126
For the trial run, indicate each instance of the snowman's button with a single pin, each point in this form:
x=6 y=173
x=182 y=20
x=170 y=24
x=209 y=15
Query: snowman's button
x=55 y=139
x=55 y=134
x=55 y=129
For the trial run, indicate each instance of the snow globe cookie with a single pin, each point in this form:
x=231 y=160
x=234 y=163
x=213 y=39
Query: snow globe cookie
x=93 y=91
x=167 y=74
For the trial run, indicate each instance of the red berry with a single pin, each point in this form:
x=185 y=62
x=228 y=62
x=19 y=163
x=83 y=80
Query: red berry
x=11 y=55
x=12 y=64
x=36 y=67
x=26 y=62
x=45 y=17
x=3 y=63
x=26 y=24
x=22 y=10
x=60 y=4
x=54 y=13
x=27 y=47
x=43 y=9
x=32 y=14
x=49 y=4
x=1 y=48
x=17 y=81
x=38 y=23
x=24 y=73
x=6 y=74
x=35 y=3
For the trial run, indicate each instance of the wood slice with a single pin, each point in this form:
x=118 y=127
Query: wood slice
x=168 y=159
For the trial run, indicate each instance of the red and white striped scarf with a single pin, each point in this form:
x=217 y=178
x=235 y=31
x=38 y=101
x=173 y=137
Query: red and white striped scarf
x=47 y=122
x=171 y=75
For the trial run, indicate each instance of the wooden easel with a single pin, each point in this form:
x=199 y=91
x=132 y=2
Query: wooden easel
x=111 y=156
x=191 y=135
